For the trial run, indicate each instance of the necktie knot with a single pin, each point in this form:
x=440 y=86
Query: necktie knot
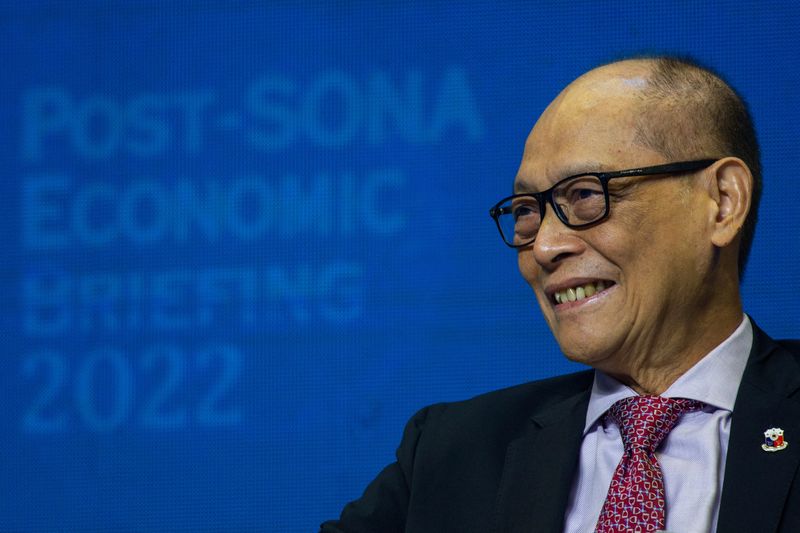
x=645 y=421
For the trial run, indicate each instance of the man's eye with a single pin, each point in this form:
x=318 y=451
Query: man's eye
x=585 y=194
x=524 y=210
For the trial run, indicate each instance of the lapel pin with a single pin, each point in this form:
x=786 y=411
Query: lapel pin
x=773 y=440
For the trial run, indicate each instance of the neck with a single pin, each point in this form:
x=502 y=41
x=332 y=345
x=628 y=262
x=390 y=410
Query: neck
x=656 y=369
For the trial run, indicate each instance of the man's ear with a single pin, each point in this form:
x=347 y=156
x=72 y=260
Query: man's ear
x=731 y=188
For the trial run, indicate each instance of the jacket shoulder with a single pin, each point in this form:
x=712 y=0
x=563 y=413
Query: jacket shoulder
x=538 y=394
x=790 y=345
x=503 y=413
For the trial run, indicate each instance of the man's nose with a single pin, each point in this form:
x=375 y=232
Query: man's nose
x=555 y=241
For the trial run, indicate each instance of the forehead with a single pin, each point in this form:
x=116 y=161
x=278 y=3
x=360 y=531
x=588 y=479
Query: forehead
x=590 y=126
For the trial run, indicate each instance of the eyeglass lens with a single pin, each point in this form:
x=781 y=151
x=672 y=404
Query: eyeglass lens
x=578 y=202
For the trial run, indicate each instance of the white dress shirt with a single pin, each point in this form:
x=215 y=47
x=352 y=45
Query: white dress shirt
x=692 y=456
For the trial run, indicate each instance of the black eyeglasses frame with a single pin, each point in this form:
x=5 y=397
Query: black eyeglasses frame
x=546 y=197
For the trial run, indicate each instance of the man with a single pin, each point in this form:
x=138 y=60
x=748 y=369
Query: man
x=632 y=217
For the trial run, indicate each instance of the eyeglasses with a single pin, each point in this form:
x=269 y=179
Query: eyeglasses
x=578 y=201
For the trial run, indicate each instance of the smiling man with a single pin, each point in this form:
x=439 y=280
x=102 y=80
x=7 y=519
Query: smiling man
x=632 y=217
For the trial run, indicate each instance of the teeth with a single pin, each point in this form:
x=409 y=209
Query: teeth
x=574 y=294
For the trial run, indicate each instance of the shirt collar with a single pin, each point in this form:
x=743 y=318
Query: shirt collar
x=713 y=380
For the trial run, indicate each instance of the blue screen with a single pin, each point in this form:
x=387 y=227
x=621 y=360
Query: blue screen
x=245 y=241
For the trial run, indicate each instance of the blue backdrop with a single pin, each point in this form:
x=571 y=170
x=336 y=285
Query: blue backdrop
x=245 y=241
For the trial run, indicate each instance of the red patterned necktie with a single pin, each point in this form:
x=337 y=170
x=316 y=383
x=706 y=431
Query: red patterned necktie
x=635 y=500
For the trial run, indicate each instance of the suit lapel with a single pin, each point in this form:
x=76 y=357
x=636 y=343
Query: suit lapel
x=757 y=482
x=539 y=469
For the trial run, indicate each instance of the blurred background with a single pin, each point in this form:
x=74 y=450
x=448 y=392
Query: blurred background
x=245 y=241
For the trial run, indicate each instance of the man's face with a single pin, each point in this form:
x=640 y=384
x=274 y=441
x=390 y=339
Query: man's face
x=642 y=262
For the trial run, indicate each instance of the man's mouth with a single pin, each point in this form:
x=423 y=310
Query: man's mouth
x=580 y=292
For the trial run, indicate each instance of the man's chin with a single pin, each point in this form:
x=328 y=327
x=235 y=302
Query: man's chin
x=582 y=358
x=589 y=351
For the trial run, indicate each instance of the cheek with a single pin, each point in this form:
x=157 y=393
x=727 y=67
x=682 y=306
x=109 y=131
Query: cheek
x=654 y=259
x=637 y=235
x=530 y=270
x=527 y=266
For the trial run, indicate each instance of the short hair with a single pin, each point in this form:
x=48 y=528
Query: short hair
x=691 y=111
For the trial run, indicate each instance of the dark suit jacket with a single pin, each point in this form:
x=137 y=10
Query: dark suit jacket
x=505 y=461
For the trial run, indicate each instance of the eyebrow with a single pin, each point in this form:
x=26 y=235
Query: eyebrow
x=573 y=169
